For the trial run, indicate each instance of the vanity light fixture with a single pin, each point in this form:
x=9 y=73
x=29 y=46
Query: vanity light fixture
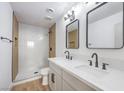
x=65 y=18
x=73 y=16
x=70 y=15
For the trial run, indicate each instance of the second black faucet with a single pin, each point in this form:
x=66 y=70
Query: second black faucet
x=68 y=55
x=96 y=63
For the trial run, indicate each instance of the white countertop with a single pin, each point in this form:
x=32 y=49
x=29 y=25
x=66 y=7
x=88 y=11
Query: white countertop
x=112 y=80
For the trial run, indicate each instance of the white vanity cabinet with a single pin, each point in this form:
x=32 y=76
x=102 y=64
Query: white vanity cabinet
x=55 y=79
x=61 y=80
x=75 y=83
x=66 y=86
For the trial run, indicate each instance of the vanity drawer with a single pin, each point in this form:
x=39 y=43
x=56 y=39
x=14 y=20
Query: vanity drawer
x=75 y=83
x=56 y=68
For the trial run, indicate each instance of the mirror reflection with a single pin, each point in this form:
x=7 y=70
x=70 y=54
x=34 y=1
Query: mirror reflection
x=105 y=26
x=72 y=35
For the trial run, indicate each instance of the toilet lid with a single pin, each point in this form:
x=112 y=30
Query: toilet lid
x=44 y=71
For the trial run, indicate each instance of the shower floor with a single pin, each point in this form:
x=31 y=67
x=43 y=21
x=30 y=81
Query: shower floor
x=26 y=75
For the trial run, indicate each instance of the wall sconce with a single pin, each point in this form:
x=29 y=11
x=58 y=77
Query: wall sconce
x=70 y=16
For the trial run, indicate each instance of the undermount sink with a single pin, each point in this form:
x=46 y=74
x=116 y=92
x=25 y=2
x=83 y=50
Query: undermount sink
x=97 y=72
x=72 y=63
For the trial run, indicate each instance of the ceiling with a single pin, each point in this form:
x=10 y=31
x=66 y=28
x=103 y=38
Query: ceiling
x=105 y=11
x=34 y=13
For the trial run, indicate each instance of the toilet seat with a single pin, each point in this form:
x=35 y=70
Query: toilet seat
x=44 y=71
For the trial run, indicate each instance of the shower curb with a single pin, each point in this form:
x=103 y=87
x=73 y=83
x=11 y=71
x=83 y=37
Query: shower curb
x=24 y=81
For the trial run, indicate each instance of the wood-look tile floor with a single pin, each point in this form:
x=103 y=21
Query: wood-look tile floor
x=35 y=85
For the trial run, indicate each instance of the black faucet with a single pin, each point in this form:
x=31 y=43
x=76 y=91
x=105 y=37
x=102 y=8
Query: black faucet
x=96 y=63
x=68 y=55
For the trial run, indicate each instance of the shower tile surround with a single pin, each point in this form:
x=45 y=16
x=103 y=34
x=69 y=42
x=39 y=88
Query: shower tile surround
x=31 y=39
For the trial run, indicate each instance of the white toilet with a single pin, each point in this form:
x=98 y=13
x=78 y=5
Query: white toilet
x=44 y=74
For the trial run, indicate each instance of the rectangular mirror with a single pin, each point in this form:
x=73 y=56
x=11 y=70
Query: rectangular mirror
x=72 y=35
x=105 y=26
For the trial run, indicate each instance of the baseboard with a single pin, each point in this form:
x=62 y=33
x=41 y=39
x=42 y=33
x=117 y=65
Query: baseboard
x=23 y=81
x=10 y=87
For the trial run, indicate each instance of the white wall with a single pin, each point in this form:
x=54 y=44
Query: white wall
x=117 y=54
x=33 y=48
x=5 y=47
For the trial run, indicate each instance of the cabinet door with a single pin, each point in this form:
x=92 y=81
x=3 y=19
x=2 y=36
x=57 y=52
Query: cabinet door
x=67 y=87
x=76 y=83
x=51 y=80
x=55 y=81
x=58 y=82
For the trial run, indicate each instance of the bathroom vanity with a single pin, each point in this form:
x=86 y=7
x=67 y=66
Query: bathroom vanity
x=60 y=79
x=74 y=75
x=104 y=30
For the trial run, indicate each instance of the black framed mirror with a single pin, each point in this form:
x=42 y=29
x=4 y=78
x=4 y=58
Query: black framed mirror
x=104 y=28
x=72 y=35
